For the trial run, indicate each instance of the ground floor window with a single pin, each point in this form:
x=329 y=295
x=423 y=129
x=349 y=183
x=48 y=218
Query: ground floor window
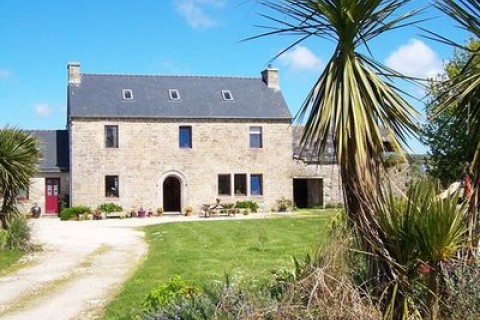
x=256 y=185
x=111 y=186
x=224 y=185
x=240 y=184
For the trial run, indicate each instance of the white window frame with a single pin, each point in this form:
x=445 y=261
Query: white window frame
x=229 y=97
x=172 y=92
x=126 y=92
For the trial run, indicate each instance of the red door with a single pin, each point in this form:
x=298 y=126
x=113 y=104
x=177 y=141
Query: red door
x=52 y=192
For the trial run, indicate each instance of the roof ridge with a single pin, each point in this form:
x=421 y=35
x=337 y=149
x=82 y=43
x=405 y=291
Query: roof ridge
x=170 y=76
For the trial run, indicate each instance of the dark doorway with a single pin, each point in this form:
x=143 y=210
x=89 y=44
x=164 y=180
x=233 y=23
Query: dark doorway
x=172 y=195
x=308 y=193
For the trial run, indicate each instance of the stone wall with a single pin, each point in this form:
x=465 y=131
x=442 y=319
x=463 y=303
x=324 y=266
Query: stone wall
x=329 y=173
x=149 y=152
x=36 y=192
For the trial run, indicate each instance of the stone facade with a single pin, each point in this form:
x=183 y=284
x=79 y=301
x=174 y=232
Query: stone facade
x=36 y=192
x=328 y=173
x=149 y=153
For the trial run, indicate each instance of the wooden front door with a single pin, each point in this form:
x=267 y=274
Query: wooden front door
x=52 y=193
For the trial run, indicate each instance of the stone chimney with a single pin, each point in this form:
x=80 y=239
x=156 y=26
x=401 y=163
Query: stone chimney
x=74 y=77
x=270 y=77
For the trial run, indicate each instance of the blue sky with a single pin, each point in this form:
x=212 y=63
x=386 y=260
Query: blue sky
x=181 y=37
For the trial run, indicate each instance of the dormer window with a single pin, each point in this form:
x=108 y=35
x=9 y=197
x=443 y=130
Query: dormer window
x=227 y=95
x=127 y=94
x=173 y=94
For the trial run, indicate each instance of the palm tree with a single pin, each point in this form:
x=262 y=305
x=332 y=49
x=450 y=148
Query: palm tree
x=466 y=101
x=354 y=101
x=19 y=156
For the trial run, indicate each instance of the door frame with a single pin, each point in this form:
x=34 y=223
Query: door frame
x=183 y=188
x=58 y=183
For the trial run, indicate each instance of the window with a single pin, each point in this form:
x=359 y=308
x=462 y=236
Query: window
x=256 y=185
x=185 y=137
x=227 y=95
x=240 y=184
x=173 y=94
x=111 y=136
x=127 y=94
x=256 y=137
x=224 y=185
x=111 y=187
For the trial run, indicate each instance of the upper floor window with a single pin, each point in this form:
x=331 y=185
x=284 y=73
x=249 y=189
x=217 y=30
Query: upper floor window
x=173 y=94
x=127 y=94
x=256 y=137
x=256 y=184
x=227 y=95
x=111 y=136
x=111 y=186
x=185 y=137
x=224 y=184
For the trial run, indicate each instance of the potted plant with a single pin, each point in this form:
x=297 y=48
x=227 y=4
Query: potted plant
x=159 y=211
x=188 y=211
x=284 y=204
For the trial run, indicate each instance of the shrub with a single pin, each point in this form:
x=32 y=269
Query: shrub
x=109 y=207
x=462 y=296
x=73 y=212
x=247 y=204
x=165 y=293
x=18 y=234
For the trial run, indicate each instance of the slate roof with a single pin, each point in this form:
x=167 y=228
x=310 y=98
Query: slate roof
x=55 y=150
x=99 y=96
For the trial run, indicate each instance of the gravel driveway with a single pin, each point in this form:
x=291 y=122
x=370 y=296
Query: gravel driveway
x=82 y=266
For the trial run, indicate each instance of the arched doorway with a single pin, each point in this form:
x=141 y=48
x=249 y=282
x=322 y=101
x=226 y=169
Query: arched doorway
x=172 y=194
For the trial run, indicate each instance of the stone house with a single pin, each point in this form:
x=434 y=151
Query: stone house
x=177 y=142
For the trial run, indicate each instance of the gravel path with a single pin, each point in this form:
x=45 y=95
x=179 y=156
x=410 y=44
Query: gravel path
x=82 y=266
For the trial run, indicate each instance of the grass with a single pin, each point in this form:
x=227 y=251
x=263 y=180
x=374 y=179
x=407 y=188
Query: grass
x=204 y=251
x=8 y=259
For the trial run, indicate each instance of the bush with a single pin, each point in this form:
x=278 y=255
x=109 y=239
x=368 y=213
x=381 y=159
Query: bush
x=18 y=234
x=73 y=212
x=165 y=293
x=110 y=207
x=284 y=204
x=247 y=204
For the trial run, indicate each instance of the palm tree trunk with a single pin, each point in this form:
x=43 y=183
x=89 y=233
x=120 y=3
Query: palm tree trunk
x=3 y=211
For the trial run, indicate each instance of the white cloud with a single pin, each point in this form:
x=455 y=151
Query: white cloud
x=42 y=110
x=301 y=58
x=415 y=59
x=195 y=13
x=4 y=74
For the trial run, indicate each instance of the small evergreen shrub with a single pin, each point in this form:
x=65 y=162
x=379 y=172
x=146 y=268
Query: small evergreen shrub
x=247 y=204
x=73 y=212
x=18 y=234
x=109 y=207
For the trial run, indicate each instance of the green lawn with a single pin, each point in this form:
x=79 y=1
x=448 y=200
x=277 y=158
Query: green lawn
x=202 y=251
x=8 y=258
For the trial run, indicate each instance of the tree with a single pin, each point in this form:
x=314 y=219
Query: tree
x=19 y=157
x=465 y=100
x=447 y=138
x=354 y=103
